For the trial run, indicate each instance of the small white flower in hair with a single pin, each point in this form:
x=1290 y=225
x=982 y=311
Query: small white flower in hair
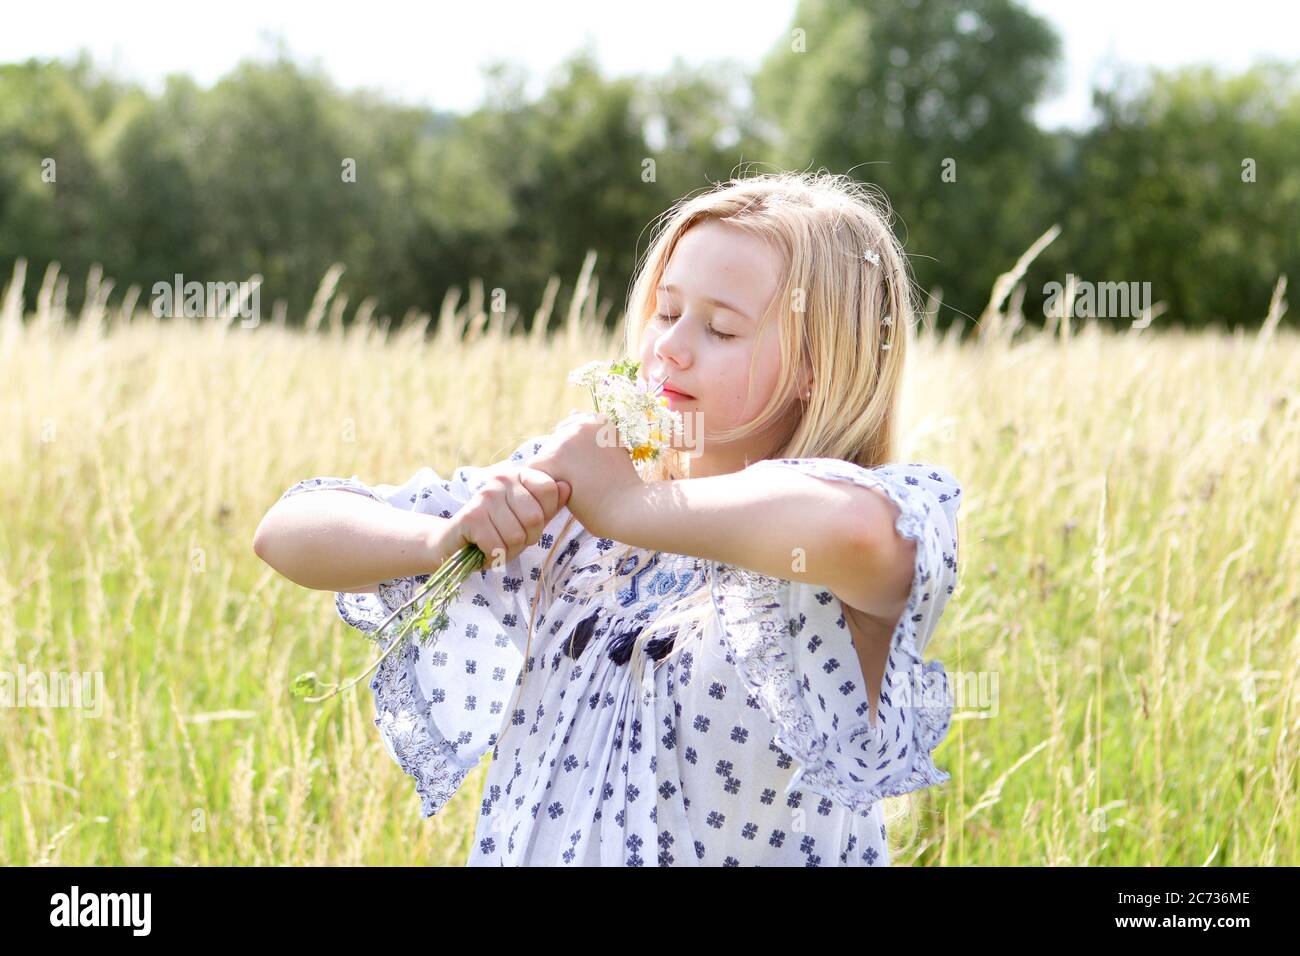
x=871 y=256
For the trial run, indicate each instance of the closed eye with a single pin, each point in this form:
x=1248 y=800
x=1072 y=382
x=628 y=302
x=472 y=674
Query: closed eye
x=712 y=331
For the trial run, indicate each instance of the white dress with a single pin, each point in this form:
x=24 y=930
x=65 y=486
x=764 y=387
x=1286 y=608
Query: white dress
x=750 y=747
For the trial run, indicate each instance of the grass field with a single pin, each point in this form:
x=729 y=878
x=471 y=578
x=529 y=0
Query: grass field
x=1129 y=595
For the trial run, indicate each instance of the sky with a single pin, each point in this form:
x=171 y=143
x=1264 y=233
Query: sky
x=431 y=53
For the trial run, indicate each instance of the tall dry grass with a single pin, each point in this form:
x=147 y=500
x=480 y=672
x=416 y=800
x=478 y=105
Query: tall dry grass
x=1128 y=600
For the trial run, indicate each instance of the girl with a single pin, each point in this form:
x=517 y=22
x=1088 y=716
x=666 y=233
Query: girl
x=719 y=667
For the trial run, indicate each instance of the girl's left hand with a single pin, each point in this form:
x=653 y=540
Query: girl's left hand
x=584 y=451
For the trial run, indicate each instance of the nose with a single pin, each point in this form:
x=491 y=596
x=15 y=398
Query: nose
x=671 y=348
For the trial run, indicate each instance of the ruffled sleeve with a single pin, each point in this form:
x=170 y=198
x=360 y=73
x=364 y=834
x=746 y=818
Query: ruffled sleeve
x=441 y=707
x=792 y=647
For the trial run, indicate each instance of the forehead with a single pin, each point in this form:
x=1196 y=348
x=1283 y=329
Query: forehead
x=715 y=260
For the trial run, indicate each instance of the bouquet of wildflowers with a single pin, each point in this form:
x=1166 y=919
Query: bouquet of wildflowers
x=645 y=423
x=645 y=426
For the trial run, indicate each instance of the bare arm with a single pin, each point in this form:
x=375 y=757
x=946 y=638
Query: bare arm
x=782 y=524
x=334 y=540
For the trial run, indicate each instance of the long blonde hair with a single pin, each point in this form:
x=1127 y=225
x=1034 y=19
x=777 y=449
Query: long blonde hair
x=845 y=308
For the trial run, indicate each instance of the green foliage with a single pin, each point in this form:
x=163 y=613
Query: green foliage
x=892 y=92
x=1160 y=191
x=248 y=176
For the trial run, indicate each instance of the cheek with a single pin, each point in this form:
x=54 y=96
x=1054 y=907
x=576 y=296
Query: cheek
x=766 y=372
x=766 y=377
x=645 y=354
x=648 y=339
x=733 y=398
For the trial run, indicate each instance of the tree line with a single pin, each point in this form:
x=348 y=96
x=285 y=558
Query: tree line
x=1187 y=180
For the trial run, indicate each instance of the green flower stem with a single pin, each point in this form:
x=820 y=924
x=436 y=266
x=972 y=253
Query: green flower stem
x=443 y=584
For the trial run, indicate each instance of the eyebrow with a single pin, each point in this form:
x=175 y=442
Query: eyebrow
x=710 y=299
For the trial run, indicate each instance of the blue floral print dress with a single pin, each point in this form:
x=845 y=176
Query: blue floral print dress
x=752 y=746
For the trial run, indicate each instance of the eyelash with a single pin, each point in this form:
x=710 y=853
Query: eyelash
x=718 y=335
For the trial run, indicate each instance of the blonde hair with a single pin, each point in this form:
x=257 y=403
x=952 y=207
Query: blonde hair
x=844 y=307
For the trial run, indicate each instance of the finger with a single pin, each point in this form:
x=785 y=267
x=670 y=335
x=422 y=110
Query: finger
x=509 y=531
x=527 y=510
x=563 y=492
x=497 y=497
x=482 y=533
x=543 y=488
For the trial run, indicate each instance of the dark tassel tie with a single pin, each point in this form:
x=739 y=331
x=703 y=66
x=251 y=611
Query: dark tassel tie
x=620 y=647
x=659 y=647
x=577 y=642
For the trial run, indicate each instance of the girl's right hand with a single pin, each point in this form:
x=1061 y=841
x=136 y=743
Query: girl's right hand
x=509 y=513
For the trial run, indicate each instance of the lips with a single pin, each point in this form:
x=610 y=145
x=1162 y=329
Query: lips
x=668 y=388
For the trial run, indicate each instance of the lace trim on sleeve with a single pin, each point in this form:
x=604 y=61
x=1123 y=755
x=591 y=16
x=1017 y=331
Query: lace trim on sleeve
x=749 y=606
x=405 y=727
